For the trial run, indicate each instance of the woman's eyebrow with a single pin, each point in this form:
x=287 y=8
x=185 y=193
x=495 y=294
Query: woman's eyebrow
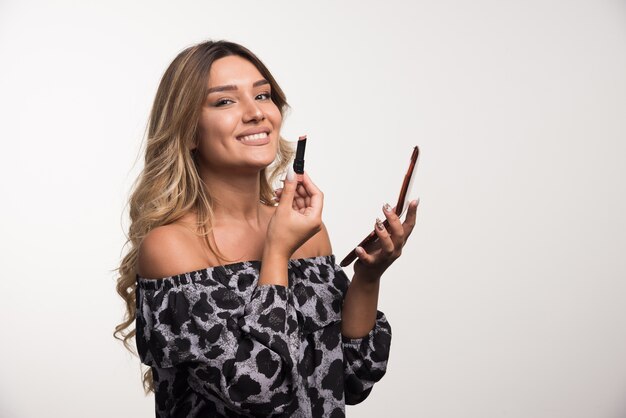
x=233 y=87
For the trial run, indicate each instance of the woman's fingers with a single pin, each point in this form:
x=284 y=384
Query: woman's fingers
x=310 y=188
x=387 y=244
x=301 y=199
x=366 y=258
x=316 y=201
x=395 y=228
x=390 y=240
x=381 y=252
x=300 y=191
x=288 y=192
x=409 y=221
x=307 y=195
x=299 y=202
x=304 y=195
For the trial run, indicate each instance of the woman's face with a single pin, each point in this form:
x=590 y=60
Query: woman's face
x=238 y=102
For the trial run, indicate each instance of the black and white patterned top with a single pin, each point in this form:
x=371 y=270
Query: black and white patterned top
x=219 y=345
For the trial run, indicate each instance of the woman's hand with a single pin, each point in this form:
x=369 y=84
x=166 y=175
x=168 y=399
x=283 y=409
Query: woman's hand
x=298 y=216
x=301 y=199
x=380 y=254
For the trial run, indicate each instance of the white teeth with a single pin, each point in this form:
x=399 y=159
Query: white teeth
x=253 y=137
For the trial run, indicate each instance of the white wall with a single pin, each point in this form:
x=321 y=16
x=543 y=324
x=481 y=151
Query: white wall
x=509 y=299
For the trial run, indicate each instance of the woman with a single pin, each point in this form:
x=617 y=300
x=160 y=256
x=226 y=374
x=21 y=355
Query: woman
x=273 y=327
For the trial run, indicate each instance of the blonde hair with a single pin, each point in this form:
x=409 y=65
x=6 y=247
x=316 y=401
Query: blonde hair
x=169 y=185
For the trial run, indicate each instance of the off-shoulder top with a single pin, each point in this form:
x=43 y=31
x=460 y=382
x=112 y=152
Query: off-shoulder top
x=219 y=345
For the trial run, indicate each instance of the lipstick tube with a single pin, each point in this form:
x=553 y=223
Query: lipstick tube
x=298 y=163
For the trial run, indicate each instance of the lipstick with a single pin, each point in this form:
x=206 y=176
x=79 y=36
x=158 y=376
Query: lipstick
x=298 y=163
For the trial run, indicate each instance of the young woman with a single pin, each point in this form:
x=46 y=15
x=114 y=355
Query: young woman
x=239 y=306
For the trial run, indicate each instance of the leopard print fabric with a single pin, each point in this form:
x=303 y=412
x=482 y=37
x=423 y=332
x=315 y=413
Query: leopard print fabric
x=221 y=346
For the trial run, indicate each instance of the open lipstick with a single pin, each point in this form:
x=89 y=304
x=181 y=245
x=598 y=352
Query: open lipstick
x=298 y=163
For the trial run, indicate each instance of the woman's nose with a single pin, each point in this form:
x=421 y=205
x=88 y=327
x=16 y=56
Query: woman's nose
x=253 y=111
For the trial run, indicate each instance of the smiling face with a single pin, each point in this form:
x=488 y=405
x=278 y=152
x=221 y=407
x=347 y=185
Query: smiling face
x=239 y=125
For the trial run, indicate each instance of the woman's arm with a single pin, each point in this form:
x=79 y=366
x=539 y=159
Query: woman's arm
x=361 y=300
x=360 y=307
x=274 y=269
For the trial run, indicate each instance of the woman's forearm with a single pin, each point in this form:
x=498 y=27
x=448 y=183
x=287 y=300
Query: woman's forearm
x=274 y=269
x=359 y=307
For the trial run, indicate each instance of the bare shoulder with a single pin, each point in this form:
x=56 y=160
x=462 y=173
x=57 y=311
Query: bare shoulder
x=166 y=251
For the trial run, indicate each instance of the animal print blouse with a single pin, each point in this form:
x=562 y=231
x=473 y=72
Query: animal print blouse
x=219 y=345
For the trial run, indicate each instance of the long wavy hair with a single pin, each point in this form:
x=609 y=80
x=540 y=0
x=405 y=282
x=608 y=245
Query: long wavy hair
x=169 y=185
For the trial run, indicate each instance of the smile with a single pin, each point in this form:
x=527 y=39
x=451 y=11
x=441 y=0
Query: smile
x=256 y=139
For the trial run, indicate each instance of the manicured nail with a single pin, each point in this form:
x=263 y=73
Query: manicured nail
x=386 y=207
x=379 y=225
x=359 y=250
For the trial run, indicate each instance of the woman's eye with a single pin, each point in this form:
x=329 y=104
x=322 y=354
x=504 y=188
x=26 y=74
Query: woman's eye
x=222 y=102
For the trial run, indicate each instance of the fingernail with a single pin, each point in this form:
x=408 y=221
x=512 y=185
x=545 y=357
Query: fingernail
x=359 y=250
x=379 y=224
x=290 y=173
x=386 y=207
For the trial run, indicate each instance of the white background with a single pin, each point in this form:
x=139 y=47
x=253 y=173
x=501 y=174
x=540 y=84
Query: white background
x=510 y=297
